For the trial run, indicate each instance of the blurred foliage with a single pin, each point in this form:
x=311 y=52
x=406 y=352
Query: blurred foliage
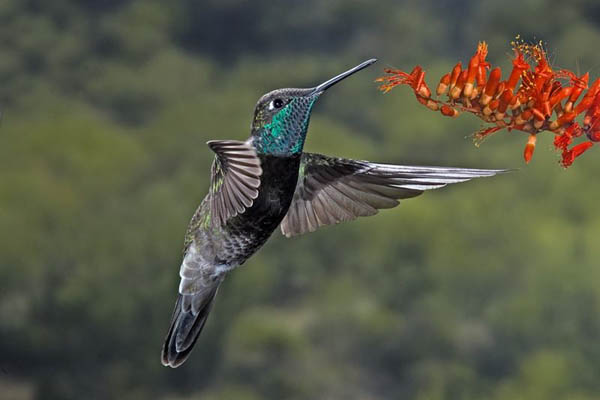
x=484 y=290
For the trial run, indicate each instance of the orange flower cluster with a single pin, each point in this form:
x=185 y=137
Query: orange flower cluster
x=545 y=100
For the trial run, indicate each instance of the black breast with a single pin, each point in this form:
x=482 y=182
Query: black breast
x=255 y=225
x=278 y=182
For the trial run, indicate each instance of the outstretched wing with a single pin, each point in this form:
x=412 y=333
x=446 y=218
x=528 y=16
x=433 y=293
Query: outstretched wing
x=235 y=179
x=332 y=190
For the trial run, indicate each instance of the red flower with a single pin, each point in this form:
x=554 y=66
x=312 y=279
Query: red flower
x=416 y=80
x=538 y=103
x=530 y=147
x=568 y=156
x=519 y=66
x=561 y=142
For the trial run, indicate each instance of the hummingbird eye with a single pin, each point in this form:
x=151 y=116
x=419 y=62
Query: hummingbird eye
x=277 y=103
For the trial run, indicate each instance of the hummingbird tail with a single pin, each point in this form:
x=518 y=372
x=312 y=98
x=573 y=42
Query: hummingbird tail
x=189 y=317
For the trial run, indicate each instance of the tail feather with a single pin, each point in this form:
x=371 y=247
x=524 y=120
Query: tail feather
x=186 y=324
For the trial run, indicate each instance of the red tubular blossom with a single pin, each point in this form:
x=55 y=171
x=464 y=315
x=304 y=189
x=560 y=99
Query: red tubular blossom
x=519 y=66
x=443 y=85
x=418 y=82
x=583 y=105
x=492 y=83
x=542 y=73
x=424 y=90
x=482 y=51
x=500 y=89
x=481 y=76
x=471 y=75
x=542 y=78
x=529 y=148
x=594 y=89
x=491 y=86
x=524 y=117
x=505 y=100
x=560 y=96
x=416 y=73
x=449 y=111
x=546 y=108
x=592 y=116
x=589 y=99
x=456 y=71
x=514 y=102
x=569 y=156
x=460 y=84
x=556 y=88
x=563 y=119
x=561 y=142
x=592 y=92
x=539 y=115
x=579 y=85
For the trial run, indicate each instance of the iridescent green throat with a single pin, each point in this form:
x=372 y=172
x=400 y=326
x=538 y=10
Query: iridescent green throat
x=286 y=133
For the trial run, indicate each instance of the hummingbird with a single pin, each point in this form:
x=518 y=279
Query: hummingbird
x=267 y=182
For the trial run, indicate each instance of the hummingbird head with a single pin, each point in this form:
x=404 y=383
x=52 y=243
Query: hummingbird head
x=281 y=117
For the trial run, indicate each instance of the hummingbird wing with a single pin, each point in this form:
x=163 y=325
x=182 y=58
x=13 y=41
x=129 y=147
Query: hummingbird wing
x=332 y=190
x=235 y=179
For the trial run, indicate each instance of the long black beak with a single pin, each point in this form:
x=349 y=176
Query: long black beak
x=329 y=83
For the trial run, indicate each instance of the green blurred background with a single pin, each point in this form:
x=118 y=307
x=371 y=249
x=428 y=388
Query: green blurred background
x=486 y=290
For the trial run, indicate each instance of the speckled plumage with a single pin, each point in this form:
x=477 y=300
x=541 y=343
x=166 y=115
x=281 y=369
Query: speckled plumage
x=242 y=235
x=267 y=182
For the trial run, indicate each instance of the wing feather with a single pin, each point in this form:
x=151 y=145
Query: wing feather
x=332 y=190
x=235 y=180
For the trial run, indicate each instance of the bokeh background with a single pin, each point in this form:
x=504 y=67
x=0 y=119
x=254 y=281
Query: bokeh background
x=486 y=290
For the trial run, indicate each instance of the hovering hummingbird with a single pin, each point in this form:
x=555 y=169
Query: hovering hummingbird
x=268 y=181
